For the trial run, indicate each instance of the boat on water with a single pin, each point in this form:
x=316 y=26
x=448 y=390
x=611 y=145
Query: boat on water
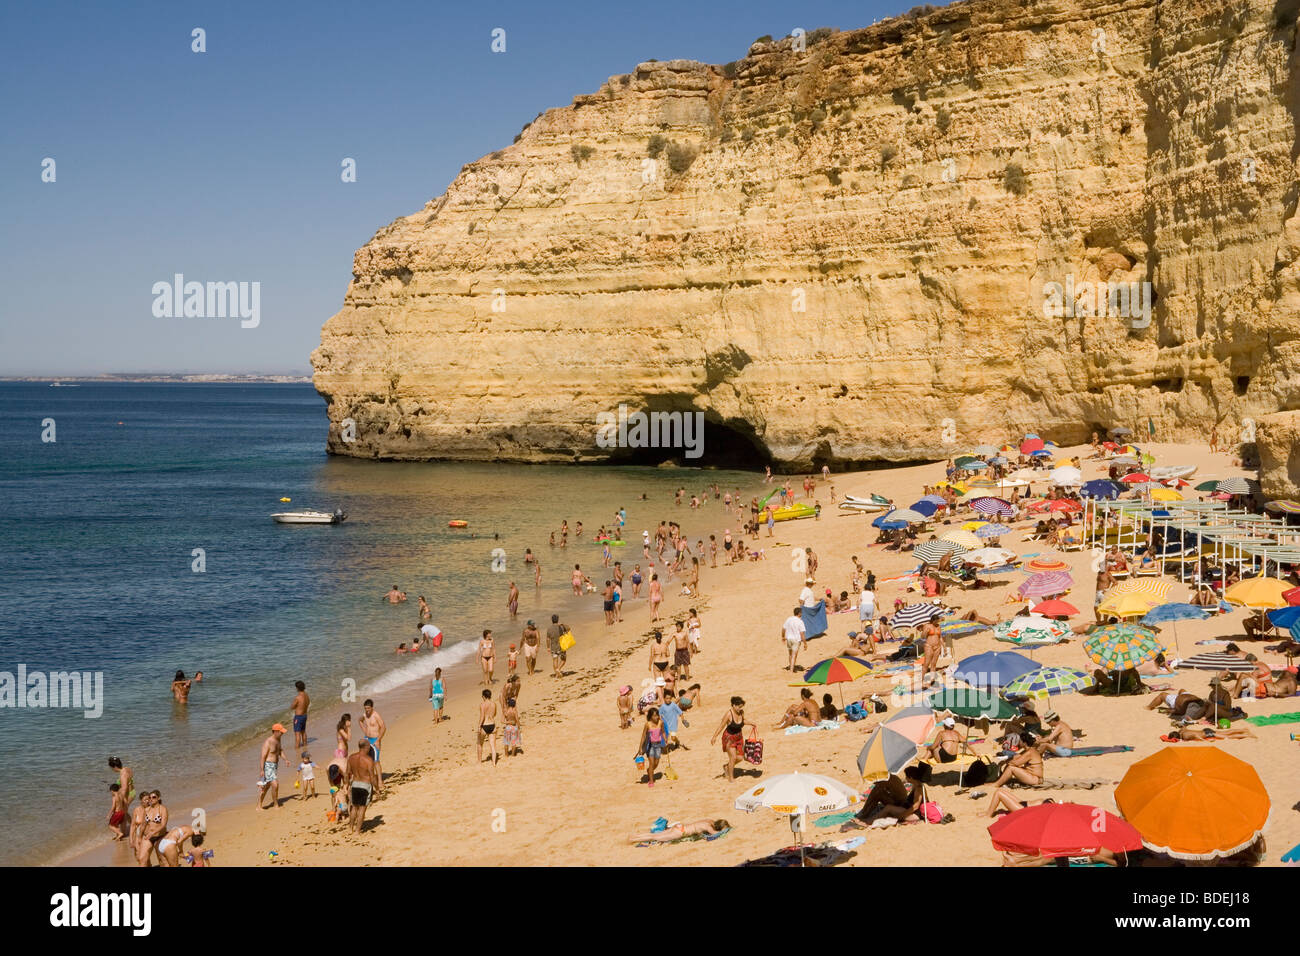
x=308 y=516
x=63 y=385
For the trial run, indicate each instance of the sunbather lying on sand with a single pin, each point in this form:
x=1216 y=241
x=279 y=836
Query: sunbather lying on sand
x=1102 y=855
x=1195 y=732
x=680 y=830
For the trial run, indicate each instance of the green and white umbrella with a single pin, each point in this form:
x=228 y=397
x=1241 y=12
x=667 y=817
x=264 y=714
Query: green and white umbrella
x=1031 y=631
x=1047 y=682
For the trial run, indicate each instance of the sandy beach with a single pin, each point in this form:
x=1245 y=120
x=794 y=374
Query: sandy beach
x=572 y=797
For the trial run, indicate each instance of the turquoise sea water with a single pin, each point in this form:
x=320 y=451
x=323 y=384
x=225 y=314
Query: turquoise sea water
x=97 y=537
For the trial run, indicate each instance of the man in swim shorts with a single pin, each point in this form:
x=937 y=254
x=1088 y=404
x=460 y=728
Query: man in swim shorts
x=374 y=728
x=299 y=706
x=682 y=650
x=558 y=655
x=532 y=640
x=359 y=781
x=272 y=754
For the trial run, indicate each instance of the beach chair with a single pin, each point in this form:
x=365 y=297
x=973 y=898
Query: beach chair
x=1072 y=546
x=1151 y=572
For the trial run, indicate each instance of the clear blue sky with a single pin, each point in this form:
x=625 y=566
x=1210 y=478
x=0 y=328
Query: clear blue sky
x=225 y=165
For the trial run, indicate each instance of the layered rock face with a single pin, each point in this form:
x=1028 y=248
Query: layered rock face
x=881 y=244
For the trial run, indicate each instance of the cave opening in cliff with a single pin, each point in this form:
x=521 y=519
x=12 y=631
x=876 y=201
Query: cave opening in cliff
x=717 y=444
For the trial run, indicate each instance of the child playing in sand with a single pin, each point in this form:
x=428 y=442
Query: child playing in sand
x=307 y=775
x=512 y=661
x=625 y=707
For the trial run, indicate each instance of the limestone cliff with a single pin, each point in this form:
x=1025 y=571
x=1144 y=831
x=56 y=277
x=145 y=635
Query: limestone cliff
x=919 y=187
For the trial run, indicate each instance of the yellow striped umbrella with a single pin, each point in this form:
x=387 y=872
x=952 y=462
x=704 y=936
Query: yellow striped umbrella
x=963 y=538
x=1153 y=586
x=1129 y=604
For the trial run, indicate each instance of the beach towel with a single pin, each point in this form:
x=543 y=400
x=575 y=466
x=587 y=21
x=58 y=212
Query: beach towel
x=1092 y=751
x=834 y=819
x=824 y=725
x=814 y=619
x=693 y=838
x=822 y=854
x=1266 y=720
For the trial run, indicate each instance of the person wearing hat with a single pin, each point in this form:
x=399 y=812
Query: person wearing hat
x=948 y=743
x=272 y=754
x=807 y=597
x=1059 y=738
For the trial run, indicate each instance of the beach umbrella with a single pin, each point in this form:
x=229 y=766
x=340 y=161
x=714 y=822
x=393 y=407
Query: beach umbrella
x=972 y=525
x=1258 y=593
x=1048 y=681
x=1168 y=613
x=892 y=745
x=835 y=670
x=939 y=500
x=924 y=508
x=1153 y=586
x=1128 y=604
x=1064 y=505
x=914 y=615
x=1055 y=609
x=1029 y=435
x=1030 y=631
x=1044 y=583
x=1210 y=485
x=971 y=703
x=1063 y=829
x=1173 y=482
x=1119 y=647
x=997 y=460
x=992 y=530
x=1194 y=803
x=1100 y=488
x=1285 y=616
x=1285 y=506
x=993 y=668
x=989 y=505
x=1233 y=486
x=798 y=795
x=1124 y=460
x=1045 y=564
x=909 y=515
x=888 y=521
x=1292 y=596
x=932 y=552
x=1217 y=661
x=963 y=538
x=1165 y=494
x=1134 y=477
x=1031 y=445
x=989 y=557
x=1065 y=476
x=1041 y=453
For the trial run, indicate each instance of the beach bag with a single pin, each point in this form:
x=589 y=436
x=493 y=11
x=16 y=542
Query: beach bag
x=854 y=711
x=878 y=705
x=754 y=750
x=567 y=640
x=931 y=812
x=976 y=774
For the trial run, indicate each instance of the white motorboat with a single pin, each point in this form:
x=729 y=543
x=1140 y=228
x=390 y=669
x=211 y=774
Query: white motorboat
x=864 y=507
x=1169 y=472
x=307 y=516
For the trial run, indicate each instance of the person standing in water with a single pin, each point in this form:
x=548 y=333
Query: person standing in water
x=394 y=596
x=181 y=688
x=299 y=707
x=512 y=601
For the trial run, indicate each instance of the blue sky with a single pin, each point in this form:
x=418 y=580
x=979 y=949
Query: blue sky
x=225 y=165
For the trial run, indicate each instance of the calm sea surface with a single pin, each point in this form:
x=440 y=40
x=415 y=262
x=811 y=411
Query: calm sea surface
x=98 y=531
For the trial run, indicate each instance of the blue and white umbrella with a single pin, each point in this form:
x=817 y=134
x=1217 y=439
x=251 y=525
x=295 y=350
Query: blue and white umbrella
x=923 y=507
x=994 y=668
x=992 y=530
x=1100 y=488
x=914 y=615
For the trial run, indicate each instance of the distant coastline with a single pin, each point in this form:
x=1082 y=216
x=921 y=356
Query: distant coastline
x=207 y=378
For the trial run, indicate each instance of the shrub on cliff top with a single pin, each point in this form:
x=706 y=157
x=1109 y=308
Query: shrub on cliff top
x=765 y=38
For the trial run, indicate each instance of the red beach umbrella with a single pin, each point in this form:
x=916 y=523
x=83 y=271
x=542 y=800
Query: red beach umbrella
x=1064 y=504
x=1030 y=445
x=1292 y=597
x=1135 y=478
x=1063 y=829
x=1055 y=608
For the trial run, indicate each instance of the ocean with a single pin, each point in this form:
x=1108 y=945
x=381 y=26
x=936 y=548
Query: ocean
x=138 y=542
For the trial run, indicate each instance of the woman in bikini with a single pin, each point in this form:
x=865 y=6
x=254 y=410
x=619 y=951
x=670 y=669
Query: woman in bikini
x=732 y=728
x=675 y=832
x=342 y=737
x=170 y=846
x=654 y=737
x=487 y=727
x=425 y=614
x=487 y=656
x=659 y=651
x=576 y=579
x=656 y=596
x=894 y=798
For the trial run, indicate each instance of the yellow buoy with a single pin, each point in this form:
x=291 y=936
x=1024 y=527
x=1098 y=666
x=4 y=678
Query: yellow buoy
x=286 y=499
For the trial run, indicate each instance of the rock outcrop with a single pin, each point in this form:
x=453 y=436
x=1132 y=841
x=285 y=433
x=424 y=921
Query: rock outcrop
x=880 y=244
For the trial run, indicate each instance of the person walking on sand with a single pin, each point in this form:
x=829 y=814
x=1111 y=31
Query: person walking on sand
x=154 y=827
x=531 y=639
x=656 y=597
x=659 y=651
x=373 y=726
x=682 y=651
x=607 y=602
x=732 y=728
x=487 y=725
x=299 y=707
x=487 y=657
x=654 y=737
x=795 y=637
x=437 y=695
x=636 y=581
x=512 y=601
x=342 y=736
x=933 y=645
x=559 y=657
x=117 y=811
x=361 y=781
x=510 y=735
x=271 y=755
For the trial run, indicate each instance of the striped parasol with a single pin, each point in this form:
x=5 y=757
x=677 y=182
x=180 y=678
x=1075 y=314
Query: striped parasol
x=963 y=538
x=892 y=746
x=1028 y=631
x=1153 y=586
x=990 y=505
x=1119 y=647
x=1044 y=564
x=914 y=615
x=908 y=515
x=835 y=670
x=992 y=530
x=989 y=557
x=1285 y=506
x=960 y=627
x=1233 y=486
x=932 y=552
x=1214 y=661
x=1047 y=682
x=1045 y=583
